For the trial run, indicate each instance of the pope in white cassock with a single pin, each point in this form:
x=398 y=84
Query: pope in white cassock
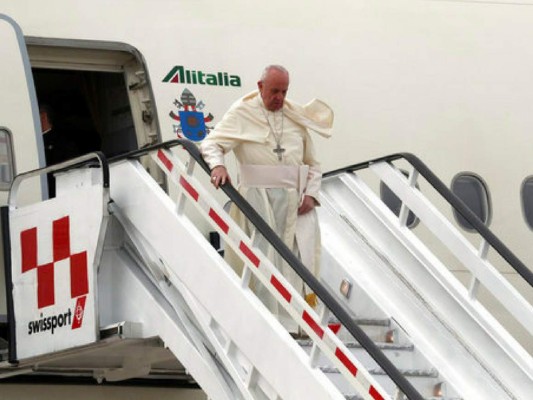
x=279 y=174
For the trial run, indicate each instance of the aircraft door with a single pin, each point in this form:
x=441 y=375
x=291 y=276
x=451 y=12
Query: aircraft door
x=20 y=131
x=21 y=147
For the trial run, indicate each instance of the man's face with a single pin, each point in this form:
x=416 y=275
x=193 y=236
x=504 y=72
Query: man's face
x=273 y=89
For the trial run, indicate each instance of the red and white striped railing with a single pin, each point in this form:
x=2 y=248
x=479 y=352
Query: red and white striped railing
x=258 y=264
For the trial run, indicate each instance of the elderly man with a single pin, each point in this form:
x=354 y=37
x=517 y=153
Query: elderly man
x=278 y=171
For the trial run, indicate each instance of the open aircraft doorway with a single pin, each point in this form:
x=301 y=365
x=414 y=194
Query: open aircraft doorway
x=97 y=95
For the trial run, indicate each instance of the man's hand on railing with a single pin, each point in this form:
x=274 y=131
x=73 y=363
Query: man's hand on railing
x=219 y=176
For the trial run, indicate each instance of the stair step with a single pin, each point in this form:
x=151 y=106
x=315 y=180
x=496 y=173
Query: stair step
x=373 y=321
x=378 y=329
x=428 y=373
x=365 y=321
x=423 y=380
x=403 y=356
x=357 y=397
x=355 y=345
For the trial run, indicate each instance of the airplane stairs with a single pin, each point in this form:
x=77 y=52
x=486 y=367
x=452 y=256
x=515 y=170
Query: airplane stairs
x=168 y=308
x=435 y=328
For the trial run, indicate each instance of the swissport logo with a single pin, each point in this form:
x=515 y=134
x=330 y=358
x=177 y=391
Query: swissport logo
x=79 y=283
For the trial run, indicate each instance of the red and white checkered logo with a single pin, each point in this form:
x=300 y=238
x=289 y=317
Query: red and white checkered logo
x=79 y=283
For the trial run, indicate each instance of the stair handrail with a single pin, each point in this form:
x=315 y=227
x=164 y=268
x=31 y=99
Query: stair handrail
x=83 y=160
x=455 y=202
x=320 y=290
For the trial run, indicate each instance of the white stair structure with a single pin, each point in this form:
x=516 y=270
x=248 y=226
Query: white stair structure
x=169 y=308
x=366 y=244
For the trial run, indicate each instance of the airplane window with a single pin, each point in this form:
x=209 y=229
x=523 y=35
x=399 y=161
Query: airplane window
x=471 y=189
x=395 y=204
x=527 y=200
x=6 y=160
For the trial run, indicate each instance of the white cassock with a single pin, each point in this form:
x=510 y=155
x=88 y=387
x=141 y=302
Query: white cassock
x=274 y=187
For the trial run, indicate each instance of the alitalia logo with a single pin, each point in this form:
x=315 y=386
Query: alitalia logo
x=180 y=74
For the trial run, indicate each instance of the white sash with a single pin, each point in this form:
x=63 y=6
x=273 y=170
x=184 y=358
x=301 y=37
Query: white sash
x=274 y=176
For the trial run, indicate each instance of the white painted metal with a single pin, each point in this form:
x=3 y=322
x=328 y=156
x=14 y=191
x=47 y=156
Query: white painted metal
x=82 y=208
x=201 y=333
x=267 y=273
x=367 y=242
x=458 y=245
x=22 y=99
x=188 y=257
x=474 y=283
x=352 y=254
x=186 y=308
x=132 y=296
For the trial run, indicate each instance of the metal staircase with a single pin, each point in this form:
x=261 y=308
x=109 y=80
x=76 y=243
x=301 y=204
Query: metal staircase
x=410 y=362
x=170 y=308
x=391 y=267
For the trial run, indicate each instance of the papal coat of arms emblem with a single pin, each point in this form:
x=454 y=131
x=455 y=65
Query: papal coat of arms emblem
x=192 y=123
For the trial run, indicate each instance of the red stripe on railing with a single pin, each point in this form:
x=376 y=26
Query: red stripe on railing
x=249 y=253
x=187 y=186
x=280 y=288
x=219 y=221
x=374 y=393
x=314 y=326
x=335 y=328
x=164 y=159
x=345 y=361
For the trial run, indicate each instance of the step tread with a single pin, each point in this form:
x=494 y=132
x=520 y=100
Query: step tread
x=365 y=321
x=424 y=372
x=355 y=345
x=357 y=397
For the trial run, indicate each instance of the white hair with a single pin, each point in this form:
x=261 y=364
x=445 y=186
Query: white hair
x=271 y=67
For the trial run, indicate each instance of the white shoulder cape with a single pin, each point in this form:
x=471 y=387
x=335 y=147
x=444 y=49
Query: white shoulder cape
x=245 y=120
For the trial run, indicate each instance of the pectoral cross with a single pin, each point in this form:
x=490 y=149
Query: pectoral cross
x=279 y=151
